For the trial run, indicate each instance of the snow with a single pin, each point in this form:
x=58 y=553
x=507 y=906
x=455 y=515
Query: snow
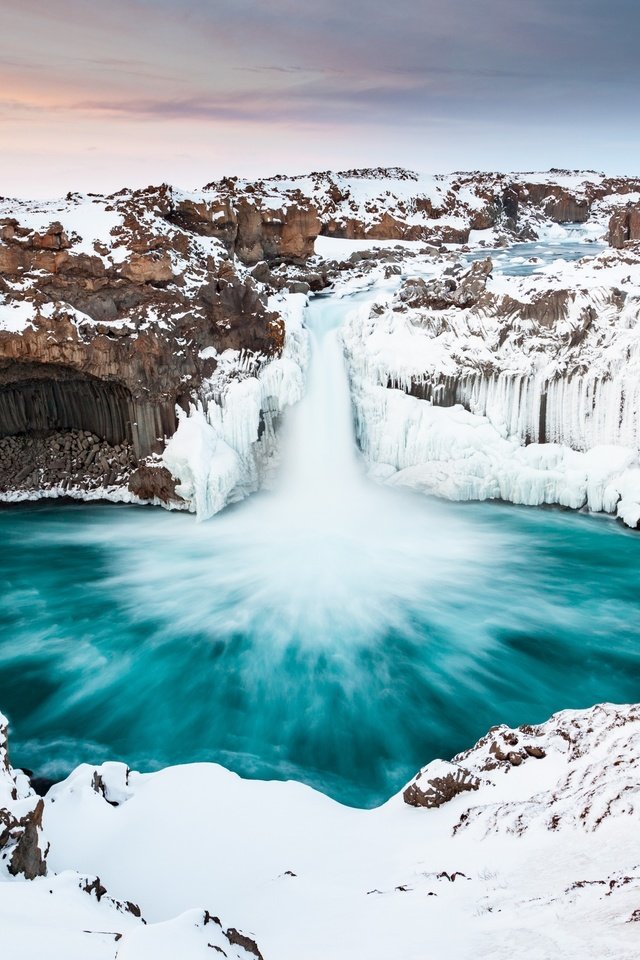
x=84 y=216
x=534 y=863
x=53 y=917
x=333 y=248
x=570 y=180
x=16 y=316
x=207 y=467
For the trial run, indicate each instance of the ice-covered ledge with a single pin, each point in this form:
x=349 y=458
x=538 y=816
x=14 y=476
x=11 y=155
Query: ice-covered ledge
x=524 y=839
x=458 y=374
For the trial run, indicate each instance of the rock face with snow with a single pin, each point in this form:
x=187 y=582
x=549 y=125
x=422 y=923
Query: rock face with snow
x=397 y=204
x=23 y=849
x=624 y=225
x=472 y=384
x=150 y=340
x=111 y=316
x=595 y=760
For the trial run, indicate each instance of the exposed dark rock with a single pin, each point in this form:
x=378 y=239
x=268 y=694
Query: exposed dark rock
x=27 y=857
x=241 y=940
x=434 y=791
x=235 y=937
x=452 y=289
x=248 y=227
x=62 y=460
x=624 y=226
x=150 y=482
x=95 y=887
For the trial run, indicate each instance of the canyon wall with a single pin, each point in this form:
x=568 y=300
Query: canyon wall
x=128 y=320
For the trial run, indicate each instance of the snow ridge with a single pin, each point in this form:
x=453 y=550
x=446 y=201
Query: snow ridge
x=533 y=860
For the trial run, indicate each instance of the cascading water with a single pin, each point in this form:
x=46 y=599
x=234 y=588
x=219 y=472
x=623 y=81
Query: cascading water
x=331 y=630
x=321 y=462
x=325 y=533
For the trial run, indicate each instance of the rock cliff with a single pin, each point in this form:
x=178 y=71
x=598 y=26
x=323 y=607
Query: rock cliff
x=111 y=316
x=120 y=314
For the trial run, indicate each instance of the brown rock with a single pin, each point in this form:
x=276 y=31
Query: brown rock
x=27 y=858
x=54 y=239
x=150 y=268
x=151 y=483
x=434 y=791
x=624 y=226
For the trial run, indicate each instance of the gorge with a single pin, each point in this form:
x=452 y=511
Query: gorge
x=337 y=629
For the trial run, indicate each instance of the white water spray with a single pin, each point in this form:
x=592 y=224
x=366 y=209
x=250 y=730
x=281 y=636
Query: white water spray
x=328 y=558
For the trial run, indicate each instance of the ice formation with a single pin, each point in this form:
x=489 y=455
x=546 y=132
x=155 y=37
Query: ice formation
x=529 y=394
x=224 y=446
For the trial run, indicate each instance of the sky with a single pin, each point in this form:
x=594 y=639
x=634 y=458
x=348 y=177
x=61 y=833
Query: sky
x=97 y=95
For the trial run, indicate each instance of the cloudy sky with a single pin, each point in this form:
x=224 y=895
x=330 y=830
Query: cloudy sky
x=97 y=94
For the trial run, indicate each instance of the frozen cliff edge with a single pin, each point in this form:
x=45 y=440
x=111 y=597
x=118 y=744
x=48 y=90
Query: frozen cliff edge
x=470 y=384
x=145 y=342
x=224 y=447
x=518 y=847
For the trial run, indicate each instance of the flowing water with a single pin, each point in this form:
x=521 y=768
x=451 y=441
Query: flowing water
x=332 y=631
x=523 y=259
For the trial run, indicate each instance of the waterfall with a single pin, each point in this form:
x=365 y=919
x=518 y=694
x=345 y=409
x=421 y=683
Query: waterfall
x=321 y=462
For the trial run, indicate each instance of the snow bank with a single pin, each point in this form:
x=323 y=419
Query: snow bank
x=16 y=317
x=531 y=859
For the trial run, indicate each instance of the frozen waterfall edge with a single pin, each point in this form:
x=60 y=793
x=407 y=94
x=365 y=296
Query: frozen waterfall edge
x=226 y=445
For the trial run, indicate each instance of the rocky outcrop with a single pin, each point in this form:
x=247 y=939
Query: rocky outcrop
x=441 y=783
x=455 y=287
x=560 y=204
x=585 y=792
x=23 y=834
x=397 y=204
x=62 y=460
x=23 y=850
x=624 y=226
x=153 y=482
x=246 y=225
x=105 y=332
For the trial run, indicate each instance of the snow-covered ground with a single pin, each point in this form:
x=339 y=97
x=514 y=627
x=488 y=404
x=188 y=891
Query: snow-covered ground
x=523 y=849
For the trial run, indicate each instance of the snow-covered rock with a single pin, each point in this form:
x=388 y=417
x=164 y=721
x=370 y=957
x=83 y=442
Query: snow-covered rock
x=476 y=385
x=23 y=848
x=161 y=321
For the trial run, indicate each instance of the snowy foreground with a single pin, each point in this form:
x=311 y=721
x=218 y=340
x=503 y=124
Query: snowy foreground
x=522 y=847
